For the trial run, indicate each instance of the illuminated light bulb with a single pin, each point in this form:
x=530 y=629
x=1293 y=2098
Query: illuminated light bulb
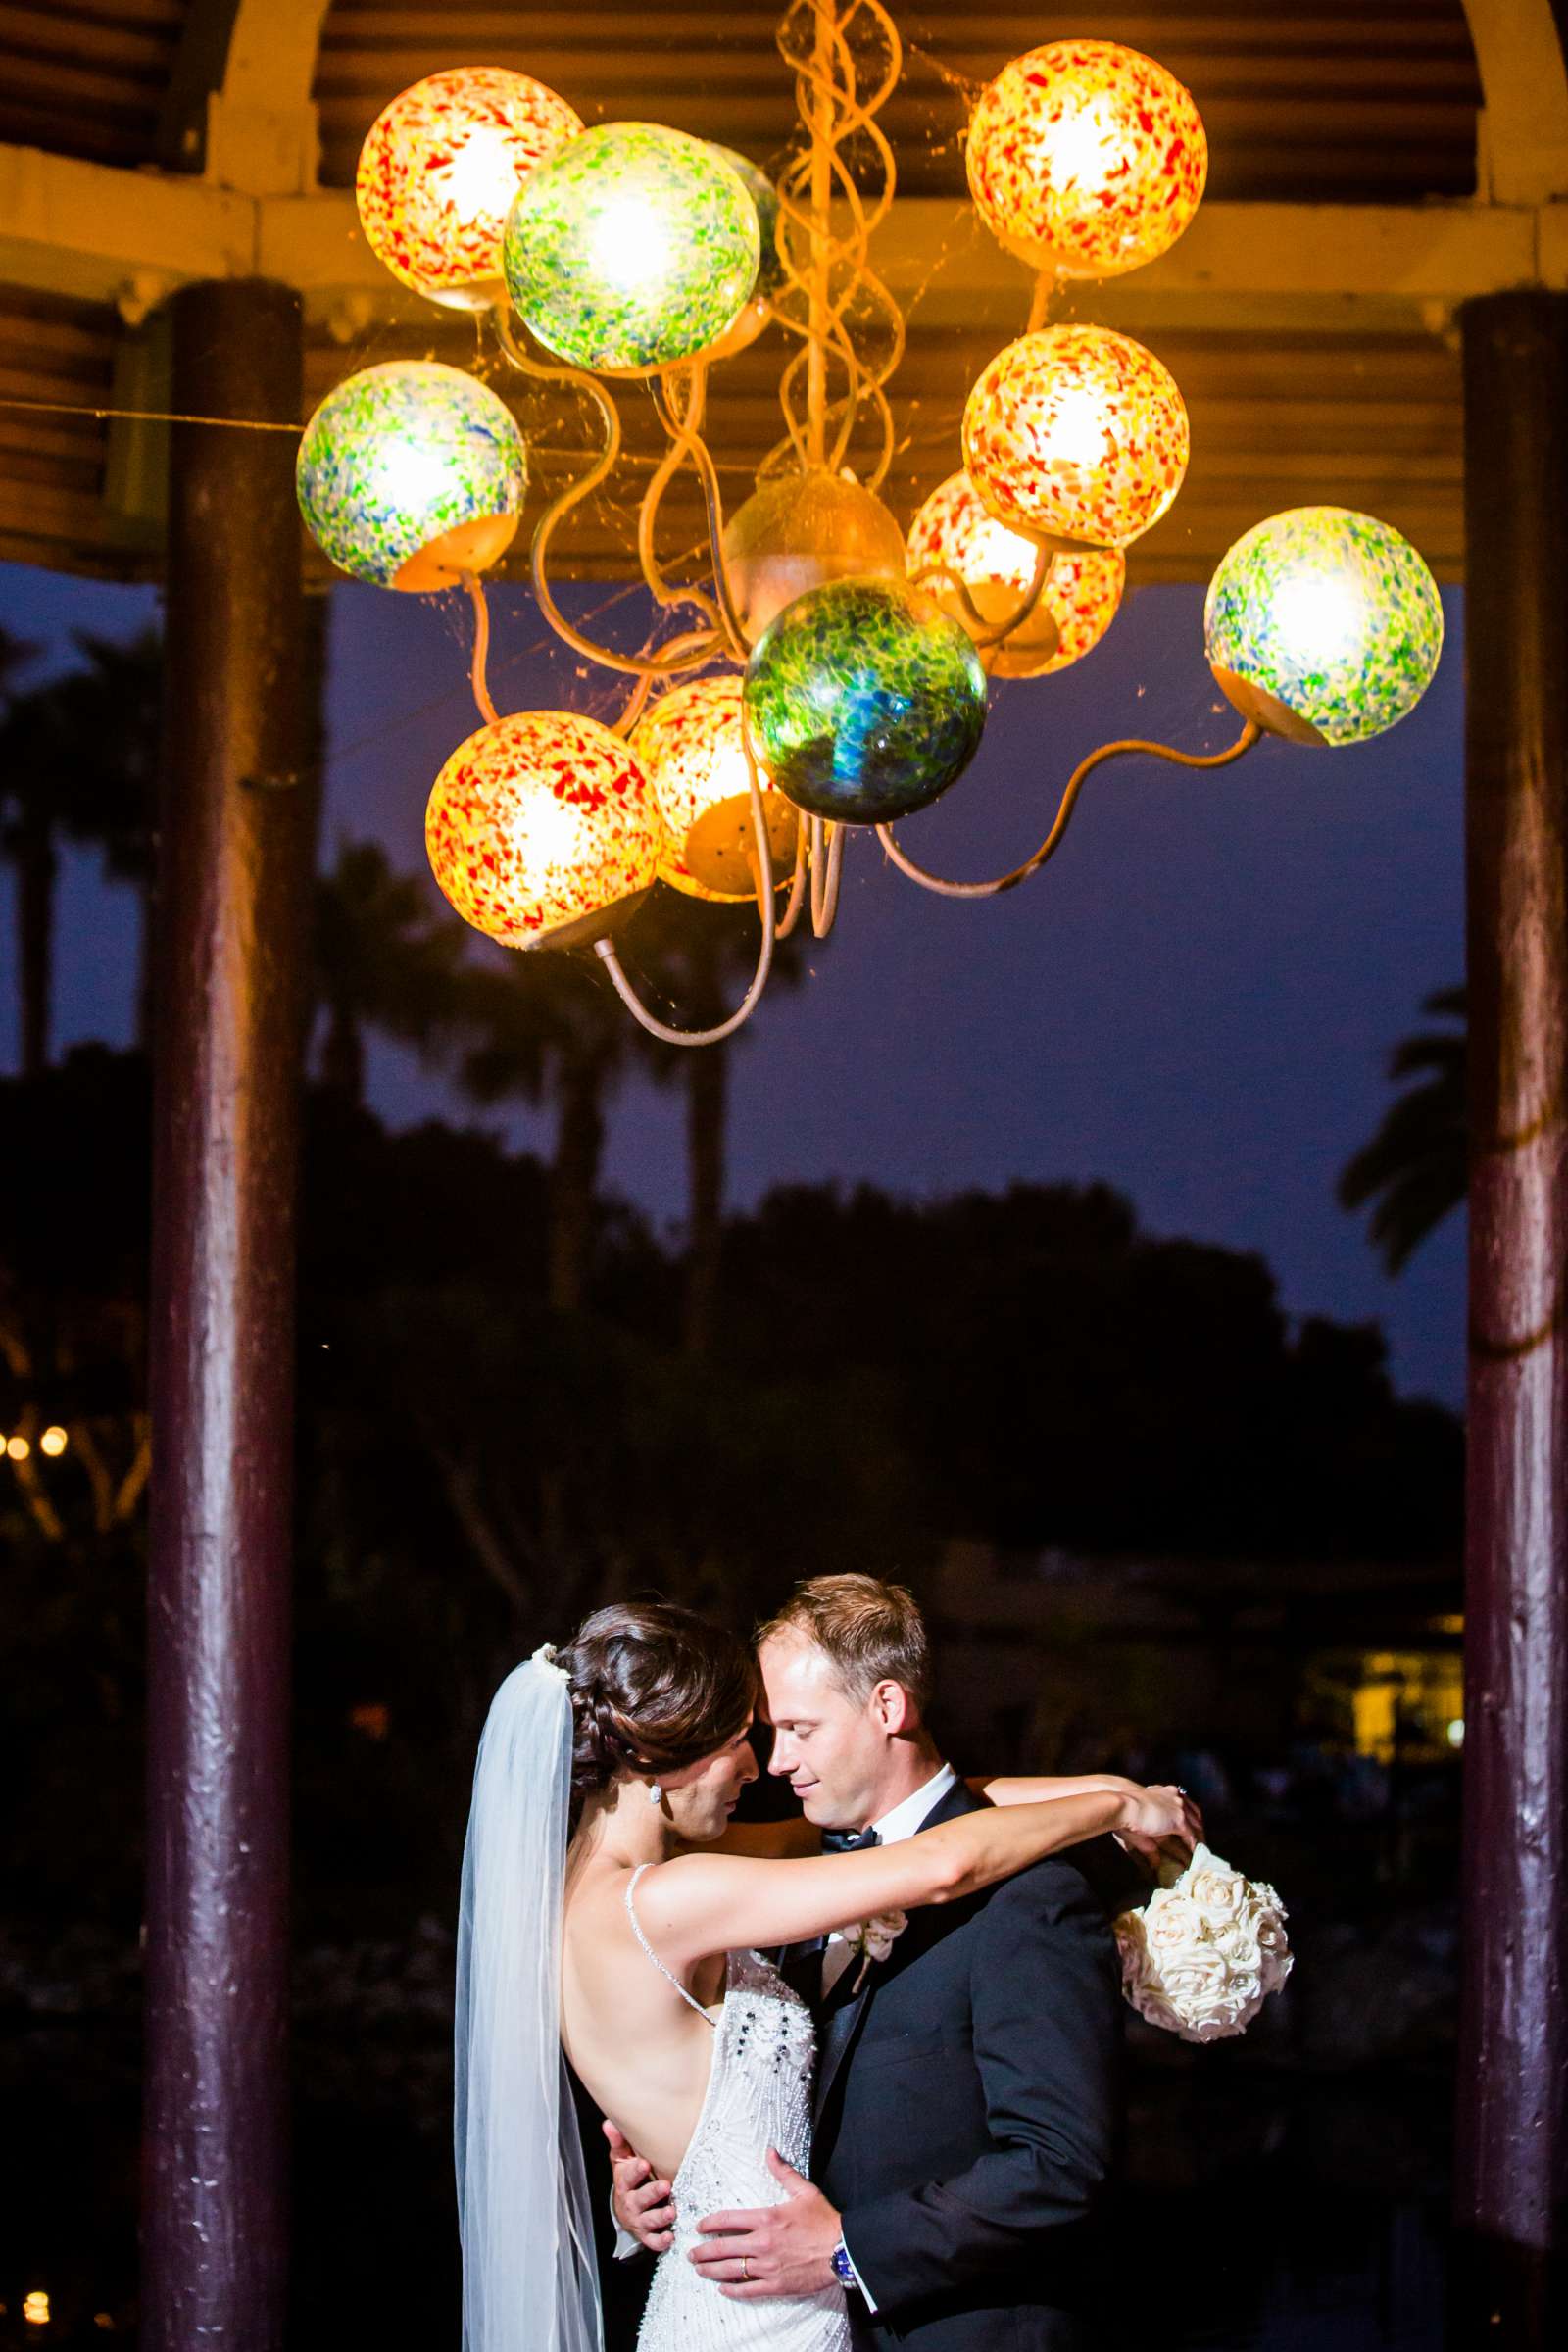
x=440 y=169
x=1076 y=433
x=35 y=2308
x=1086 y=159
x=865 y=701
x=1077 y=602
x=770 y=270
x=53 y=1441
x=693 y=749
x=542 y=829
x=800 y=532
x=632 y=249
x=18 y=1449
x=410 y=474
x=1323 y=625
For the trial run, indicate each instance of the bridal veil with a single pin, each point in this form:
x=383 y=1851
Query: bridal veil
x=529 y=2282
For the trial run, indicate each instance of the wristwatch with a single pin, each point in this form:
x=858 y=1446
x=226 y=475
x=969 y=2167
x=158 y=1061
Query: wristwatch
x=844 y=2267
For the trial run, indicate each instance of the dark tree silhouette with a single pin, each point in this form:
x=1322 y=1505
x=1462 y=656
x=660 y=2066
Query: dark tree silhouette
x=1413 y=1168
x=384 y=960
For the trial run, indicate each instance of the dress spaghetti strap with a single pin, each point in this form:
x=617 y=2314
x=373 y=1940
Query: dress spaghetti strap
x=636 y=1929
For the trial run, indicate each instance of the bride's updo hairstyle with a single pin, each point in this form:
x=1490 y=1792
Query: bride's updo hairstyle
x=654 y=1688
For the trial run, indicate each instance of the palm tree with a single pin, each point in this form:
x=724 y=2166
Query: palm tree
x=78 y=762
x=545 y=1027
x=384 y=960
x=702 y=955
x=1413 y=1168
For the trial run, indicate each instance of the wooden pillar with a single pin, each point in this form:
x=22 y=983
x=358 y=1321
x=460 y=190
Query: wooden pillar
x=234 y=900
x=1513 y=2052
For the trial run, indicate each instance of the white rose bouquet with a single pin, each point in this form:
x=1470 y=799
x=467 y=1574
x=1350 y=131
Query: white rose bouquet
x=1204 y=1954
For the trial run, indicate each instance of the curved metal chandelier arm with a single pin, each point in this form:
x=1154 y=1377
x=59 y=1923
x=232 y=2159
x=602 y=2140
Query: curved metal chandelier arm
x=762 y=876
x=827 y=866
x=685 y=435
x=1053 y=842
x=664 y=592
x=989 y=634
x=796 y=901
x=481 y=647
x=629 y=664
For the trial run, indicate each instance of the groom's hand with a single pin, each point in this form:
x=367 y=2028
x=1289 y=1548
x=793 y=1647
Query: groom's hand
x=776 y=2250
x=643 y=2204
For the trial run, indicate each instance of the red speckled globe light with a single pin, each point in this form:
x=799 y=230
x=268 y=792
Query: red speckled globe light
x=1086 y=159
x=541 y=829
x=1076 y=433
x=694 y=751
x=438 y=173
x=1077 y=602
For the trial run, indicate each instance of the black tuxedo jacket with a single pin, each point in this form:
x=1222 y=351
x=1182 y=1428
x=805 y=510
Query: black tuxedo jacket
x=969 y=2117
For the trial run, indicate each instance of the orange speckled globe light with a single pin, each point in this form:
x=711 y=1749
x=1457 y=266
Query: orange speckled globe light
x=438 y=171
x=693 y=750
x=1076 y=433
x=1077 y=604
x=541 y=828
x=1086 y=158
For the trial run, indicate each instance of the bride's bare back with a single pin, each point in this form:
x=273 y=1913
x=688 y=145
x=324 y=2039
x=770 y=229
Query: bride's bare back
x=642 y=2052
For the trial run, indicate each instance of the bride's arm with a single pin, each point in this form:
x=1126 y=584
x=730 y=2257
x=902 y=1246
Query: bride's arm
x=707 y=1902
x=1012 y=1788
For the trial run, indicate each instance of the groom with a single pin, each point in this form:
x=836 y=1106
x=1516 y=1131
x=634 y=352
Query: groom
x=968 y=2104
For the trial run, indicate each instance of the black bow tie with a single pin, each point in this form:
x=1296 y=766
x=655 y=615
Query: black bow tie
x=849 y=1842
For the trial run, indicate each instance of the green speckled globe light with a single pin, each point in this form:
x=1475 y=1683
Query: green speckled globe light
x=411 y=473
x=631 y=248
x=865 y=702
x=1323 y=625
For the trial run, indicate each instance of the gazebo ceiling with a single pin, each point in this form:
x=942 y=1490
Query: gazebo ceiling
x=1312 y=346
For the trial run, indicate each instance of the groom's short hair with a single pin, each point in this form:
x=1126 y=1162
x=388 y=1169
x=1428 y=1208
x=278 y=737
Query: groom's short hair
x=872 y=1632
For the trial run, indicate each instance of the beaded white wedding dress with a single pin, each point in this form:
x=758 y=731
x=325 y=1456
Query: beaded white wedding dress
x=759 y=2097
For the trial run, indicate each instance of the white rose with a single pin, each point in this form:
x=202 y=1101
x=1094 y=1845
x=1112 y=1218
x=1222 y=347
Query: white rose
x=1172 y=1921
x=1220 y=1894
x=1239 y=1943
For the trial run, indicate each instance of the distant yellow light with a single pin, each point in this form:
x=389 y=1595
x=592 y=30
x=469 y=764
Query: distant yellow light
x=1456 y=1732
x=54 y=1440
x=102 y=2318
x=35 y=2307
x=17 y=1449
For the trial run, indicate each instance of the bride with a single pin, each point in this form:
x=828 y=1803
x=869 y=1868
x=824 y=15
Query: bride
x=613 y=1917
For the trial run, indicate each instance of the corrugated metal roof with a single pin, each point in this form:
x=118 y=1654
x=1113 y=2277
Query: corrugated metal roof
x=88 y=78
x=1349 y=100
x=1357 y=98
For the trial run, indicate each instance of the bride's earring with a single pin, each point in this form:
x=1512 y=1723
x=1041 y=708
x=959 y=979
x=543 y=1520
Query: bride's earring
x=656 y=1794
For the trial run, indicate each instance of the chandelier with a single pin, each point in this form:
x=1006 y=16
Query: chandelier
x=831 y=669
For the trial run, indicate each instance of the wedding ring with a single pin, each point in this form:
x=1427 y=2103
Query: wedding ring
x=746 y=2267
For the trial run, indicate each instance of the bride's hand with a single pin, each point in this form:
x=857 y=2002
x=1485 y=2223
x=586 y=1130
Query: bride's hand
x=1152 y=1817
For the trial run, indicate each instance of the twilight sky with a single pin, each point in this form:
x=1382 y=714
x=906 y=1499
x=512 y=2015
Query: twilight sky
x=1195 y=1002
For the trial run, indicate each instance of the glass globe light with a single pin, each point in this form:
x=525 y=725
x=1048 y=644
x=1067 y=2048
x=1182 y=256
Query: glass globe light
x=438 y=173
x=1077 y=602
x=541 y=828
x=1086 y=159
x=865 y=702
x=799 y=532
x=693 y=753
x=632 y=249
x=1323 y=625
x=770 y=270
x=1076 y=433
x=410 y=474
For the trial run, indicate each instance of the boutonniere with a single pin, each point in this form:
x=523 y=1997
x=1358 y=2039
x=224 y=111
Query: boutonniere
x=874 y=1939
